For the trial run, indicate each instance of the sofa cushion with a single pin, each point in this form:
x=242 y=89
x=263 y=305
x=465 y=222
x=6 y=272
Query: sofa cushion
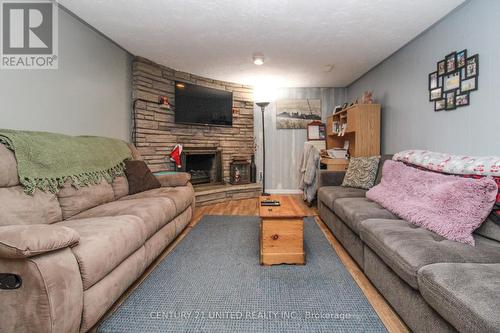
x=328 y=194
x=8 y=167
x=383 y=158
x=99 y=299
x=75 y=200
x=136 y=155
x=466 y=295
x=181 y=196
x=353 y=211
x=139 y=177
x=406 y=248
x=120 y=187
x=104 y=243
x=489 y=229
x=17 y=207
x=154 y=212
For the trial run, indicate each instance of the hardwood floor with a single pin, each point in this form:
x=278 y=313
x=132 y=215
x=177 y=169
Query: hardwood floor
x=251 y=207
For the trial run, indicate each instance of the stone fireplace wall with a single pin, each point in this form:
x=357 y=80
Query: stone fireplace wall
x=156 y=132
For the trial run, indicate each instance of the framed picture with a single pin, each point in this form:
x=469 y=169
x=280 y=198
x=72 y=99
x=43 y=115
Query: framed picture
x=440 y=105
x=316 y=130
x=440 y=81
x=436 y=94
x=451 y=62
x=468 y=84
x=297 y=113
x=450 y=100
x=462 y=99
x=461 y=57
x=338 y=108
x=344 y=106
x=441 y=69
x=433 y=80
x=472 y=66
x=451 y=81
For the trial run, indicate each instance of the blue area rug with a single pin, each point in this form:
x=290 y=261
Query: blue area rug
x=213 y=282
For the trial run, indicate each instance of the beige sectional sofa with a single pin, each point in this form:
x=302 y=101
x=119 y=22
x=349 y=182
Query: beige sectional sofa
x=78 y=250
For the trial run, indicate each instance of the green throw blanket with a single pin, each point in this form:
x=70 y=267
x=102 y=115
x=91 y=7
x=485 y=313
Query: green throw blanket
x=46 y=160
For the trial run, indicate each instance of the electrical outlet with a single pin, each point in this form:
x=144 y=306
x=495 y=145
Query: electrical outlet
x=260 y=176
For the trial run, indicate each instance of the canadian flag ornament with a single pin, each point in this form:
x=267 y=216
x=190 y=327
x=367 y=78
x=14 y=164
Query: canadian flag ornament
x=175 y=155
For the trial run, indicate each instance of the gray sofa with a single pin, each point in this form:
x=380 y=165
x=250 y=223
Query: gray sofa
x=77 y=251
x=434 y=284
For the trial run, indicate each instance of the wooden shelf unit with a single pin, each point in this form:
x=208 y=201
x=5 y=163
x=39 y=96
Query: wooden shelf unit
x=362 y=131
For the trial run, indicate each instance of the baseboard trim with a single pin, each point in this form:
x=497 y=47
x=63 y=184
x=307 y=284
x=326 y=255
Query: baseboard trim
x=283 y=191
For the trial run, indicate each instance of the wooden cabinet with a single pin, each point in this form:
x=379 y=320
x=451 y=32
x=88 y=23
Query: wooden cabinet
x=362 y=122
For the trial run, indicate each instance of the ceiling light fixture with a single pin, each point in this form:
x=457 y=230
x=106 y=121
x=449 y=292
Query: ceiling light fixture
x=258 y=59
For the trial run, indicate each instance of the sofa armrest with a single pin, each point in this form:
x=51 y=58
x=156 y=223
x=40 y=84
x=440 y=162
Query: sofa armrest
x=50 y=298
x=23 y=241
x=174 y=179
x=330 y=178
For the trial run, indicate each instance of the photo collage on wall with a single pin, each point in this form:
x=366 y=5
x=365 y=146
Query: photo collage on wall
x=456 y=76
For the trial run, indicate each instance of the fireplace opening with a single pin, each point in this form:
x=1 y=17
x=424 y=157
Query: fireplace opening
x=204 y=165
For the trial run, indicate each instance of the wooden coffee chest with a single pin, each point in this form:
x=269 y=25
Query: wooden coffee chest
x=282 y=232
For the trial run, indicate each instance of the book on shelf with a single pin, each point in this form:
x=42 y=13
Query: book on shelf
x=343 y=129
x=336 y=127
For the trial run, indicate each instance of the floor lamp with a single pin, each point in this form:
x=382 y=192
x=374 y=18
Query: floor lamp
x=262 y=108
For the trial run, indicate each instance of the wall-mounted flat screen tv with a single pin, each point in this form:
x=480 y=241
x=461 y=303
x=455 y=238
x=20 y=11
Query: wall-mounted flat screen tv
x=201 y=105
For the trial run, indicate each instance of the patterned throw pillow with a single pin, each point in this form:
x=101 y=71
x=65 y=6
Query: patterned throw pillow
x=362 y=172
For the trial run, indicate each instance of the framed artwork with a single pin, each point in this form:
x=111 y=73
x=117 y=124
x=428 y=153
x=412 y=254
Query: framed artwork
x=440 y=105
x=451 y=62
x=441 y=67
x=297 y=113
x=436 y=94
x=472 y=66
x=468 y=84
x=462 y=99
x=450 y=100
x=456 y=76
x=461 y=56
x=451 y=81
x=316 y=130
x=433 y=80
x=338 y=108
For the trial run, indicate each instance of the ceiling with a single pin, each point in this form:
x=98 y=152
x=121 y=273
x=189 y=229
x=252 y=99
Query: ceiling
x=300 y=39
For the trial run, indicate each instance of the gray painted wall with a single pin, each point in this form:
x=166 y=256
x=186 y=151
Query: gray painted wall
x=90 y=93
x=400 y=85
x=284 y=146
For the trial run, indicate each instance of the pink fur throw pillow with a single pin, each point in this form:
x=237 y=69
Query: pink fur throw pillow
x=450 y=206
